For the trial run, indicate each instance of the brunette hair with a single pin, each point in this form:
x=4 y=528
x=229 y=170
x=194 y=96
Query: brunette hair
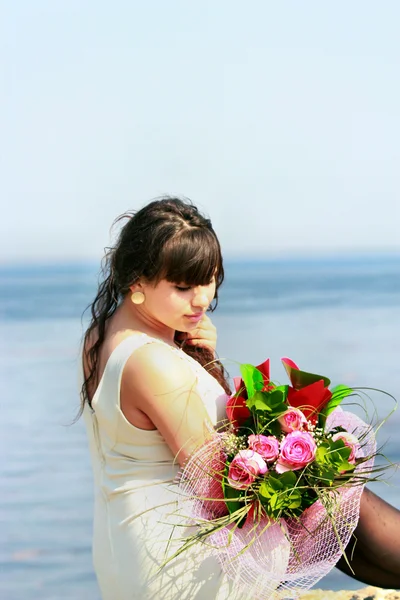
x=166 y=239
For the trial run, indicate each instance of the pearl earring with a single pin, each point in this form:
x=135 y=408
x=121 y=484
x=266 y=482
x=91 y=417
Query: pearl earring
x=137 y=297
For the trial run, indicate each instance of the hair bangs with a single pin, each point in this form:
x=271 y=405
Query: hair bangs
x=192 y=257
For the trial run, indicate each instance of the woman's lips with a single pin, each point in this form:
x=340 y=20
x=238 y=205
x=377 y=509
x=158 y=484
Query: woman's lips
x=195 y=318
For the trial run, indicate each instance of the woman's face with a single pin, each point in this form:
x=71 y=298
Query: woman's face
x=179 y=307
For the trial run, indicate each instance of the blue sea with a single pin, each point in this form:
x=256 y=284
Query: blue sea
x=338 y=316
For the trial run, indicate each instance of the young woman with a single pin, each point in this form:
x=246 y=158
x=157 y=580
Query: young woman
x=151 y=393
x=148 y=400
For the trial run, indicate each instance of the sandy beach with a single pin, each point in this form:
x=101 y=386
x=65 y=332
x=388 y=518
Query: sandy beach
x=368 y=593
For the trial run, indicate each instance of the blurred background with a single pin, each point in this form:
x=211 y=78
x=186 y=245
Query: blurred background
x=282 y=123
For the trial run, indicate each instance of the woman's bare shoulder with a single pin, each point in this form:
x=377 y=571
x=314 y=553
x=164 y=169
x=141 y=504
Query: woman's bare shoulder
x=157 y=365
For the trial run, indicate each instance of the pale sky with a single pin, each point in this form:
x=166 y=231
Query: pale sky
x=280 y=120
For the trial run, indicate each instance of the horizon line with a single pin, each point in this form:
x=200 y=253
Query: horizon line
x=292 y=255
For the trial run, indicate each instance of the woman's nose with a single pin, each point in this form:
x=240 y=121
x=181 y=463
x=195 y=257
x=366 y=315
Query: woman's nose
x=200 y=299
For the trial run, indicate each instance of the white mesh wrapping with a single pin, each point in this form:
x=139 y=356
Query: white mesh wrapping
x=286 y=558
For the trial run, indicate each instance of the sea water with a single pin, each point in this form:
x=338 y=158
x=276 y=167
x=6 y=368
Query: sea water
x=339 y=317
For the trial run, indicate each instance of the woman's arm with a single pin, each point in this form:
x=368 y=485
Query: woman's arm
x=375 y=555
x=158 y=383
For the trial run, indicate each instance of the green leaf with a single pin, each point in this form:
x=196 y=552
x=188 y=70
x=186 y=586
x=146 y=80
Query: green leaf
x=343 y=451
x=278 y=495
x=272 y=427
x=258 y=402
x=270 y=486
x=334 y=458
x=288 y=478
x=338 y=445
x=294 y=499
x=284 y=389
x=278 y=410
x=332 y=455
x=301 y=379
x=277 y=397
x=326 y=476
x=232 y=496
x=346 y=466
x=252 y=378
x=309 y=497
x=277 y=483
x=271 y=402
x=320 y=455
x=339 y=393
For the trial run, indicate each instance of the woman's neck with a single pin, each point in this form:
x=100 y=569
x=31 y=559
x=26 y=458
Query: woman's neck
x=128 y=316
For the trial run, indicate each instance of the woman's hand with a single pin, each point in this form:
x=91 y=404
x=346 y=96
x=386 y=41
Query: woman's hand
x=205 y=335
x=158 y=383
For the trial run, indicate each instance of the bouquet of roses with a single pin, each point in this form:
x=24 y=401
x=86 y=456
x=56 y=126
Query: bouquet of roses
x=283 y=453
x=276 y=494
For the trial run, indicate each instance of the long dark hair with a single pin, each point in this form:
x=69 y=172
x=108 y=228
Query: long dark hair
x=167 y=239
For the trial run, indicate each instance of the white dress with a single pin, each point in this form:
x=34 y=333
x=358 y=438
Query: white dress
x=135 y=498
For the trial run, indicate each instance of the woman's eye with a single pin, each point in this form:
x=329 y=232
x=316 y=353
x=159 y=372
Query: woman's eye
x=181 y=288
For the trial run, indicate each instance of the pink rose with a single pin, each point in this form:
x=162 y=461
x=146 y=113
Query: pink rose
x=245 y=467
x=292 y=420
x=297 y=450
x=349 y=440
x=267 y=446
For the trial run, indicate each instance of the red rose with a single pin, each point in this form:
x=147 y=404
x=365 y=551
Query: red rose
x=310 y=399
x=309 y=393
x=237 y=411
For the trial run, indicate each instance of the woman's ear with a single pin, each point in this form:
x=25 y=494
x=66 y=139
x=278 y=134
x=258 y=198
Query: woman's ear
x=138 y=286
x=137 y=293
